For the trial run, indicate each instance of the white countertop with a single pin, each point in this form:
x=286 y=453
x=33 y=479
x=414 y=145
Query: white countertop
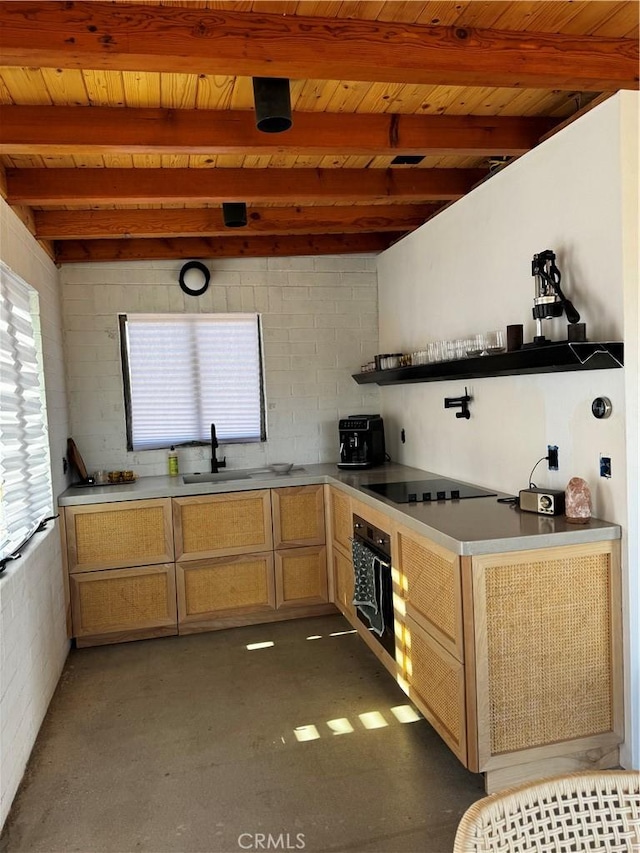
x=467 y=527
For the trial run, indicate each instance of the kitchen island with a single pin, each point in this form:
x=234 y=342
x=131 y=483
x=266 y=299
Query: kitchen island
x=506 y=623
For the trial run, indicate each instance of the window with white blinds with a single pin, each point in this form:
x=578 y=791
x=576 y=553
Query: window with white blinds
x=25 y=467
x=183 y=372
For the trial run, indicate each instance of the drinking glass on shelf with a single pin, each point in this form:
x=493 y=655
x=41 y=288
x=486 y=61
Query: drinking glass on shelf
x=461 y=347
x=448 y=350
x=476 y=346
x=494 y=342
x=434 y=351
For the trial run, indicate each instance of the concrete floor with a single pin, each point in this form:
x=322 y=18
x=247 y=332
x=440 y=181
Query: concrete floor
x=189 y=744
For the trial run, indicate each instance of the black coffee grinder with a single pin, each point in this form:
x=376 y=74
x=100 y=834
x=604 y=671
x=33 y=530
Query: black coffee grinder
x=549 y=300
x=361 y=441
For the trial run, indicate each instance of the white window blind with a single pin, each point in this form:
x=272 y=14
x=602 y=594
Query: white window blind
x=25 y=469
x=184 y=372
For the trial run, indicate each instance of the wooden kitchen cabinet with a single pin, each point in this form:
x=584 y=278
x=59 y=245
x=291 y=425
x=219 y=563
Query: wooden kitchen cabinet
x=301 y=576
x=430 y=578
x=340 y=519
x=343 y=583
x=545 y=635
x=515 y=659
x=222 y=525
x=227 y=571
x=300 y=555
x=118 y=535
x=436 y=685
x=215 y=590
x=298 y=516
x=115 y=605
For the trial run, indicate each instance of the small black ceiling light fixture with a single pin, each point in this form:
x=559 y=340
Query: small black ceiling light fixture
x=408 y=159
x=272 y=100
x=234 y=214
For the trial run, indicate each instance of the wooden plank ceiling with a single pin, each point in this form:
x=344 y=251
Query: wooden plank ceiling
x=125 y=126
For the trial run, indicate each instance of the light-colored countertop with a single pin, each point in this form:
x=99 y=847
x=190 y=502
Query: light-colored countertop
x=471 y=526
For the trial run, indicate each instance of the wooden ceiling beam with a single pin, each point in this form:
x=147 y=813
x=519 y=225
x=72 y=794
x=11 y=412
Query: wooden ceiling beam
x=191 y=40
x=100 y=187
x=208 y=222
x=52 y=131
x=77 y=251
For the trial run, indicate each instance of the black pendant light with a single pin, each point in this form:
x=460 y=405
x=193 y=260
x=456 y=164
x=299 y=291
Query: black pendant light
x=272 y=100
x=234 y=214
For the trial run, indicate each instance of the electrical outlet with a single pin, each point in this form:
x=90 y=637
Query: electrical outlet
x=552 y=455
x=605 y=466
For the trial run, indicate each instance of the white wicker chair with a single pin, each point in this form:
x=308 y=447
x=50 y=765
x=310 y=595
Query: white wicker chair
x=590 y=811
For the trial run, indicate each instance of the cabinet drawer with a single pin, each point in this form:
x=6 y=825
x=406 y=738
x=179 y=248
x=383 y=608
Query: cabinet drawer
x=431 y=579
x=119 y=601
x=219 y=525
x=115 y=535
x=436 y=685
x=301 y=576
x=298 y=516
x=224 y=586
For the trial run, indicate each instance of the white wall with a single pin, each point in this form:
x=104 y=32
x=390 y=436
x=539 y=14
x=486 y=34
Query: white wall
x=33 y=638
x=629 y=154
x=320 y=324
x=468 y=270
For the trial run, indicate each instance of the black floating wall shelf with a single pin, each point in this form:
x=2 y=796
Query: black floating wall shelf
x=551 y=358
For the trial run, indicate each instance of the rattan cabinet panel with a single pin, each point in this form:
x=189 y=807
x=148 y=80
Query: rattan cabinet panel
x=123 y=604
x=341 y=519
x=301 y=576
x=225 y=586
x=116 y=535
x=547 y=629
x=432 y=583
x=298 y=516
x=436 y=685
x=343 y=580
x=221 y=525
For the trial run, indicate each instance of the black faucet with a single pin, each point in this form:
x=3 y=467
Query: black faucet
x=216 y=463
x=461 y=403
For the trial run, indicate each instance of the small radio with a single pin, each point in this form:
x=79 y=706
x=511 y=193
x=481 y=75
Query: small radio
x=542 y=501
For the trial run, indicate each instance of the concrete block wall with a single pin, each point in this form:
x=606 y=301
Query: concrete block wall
x=33 y=641
x=34 y=647
x=319 y=321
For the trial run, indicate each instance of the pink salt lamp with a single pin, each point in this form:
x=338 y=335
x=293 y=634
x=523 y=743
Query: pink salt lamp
x=577 y=501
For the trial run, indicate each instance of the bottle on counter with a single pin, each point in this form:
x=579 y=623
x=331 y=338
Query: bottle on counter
x=172 y=461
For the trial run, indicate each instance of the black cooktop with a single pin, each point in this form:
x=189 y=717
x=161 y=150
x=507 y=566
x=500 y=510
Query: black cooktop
x=426 y=491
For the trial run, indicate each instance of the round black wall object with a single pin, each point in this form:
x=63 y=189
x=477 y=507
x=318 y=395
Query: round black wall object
x=601 y=407
x=194 y=265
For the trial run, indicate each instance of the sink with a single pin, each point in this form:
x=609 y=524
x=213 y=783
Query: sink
x=220 y=477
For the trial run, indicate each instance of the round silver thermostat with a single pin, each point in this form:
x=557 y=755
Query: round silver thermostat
x=601 y=407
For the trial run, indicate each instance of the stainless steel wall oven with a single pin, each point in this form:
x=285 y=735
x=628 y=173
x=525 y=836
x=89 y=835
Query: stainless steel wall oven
x=373 y=587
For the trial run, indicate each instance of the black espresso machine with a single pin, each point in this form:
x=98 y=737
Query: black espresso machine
x=361 y=441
